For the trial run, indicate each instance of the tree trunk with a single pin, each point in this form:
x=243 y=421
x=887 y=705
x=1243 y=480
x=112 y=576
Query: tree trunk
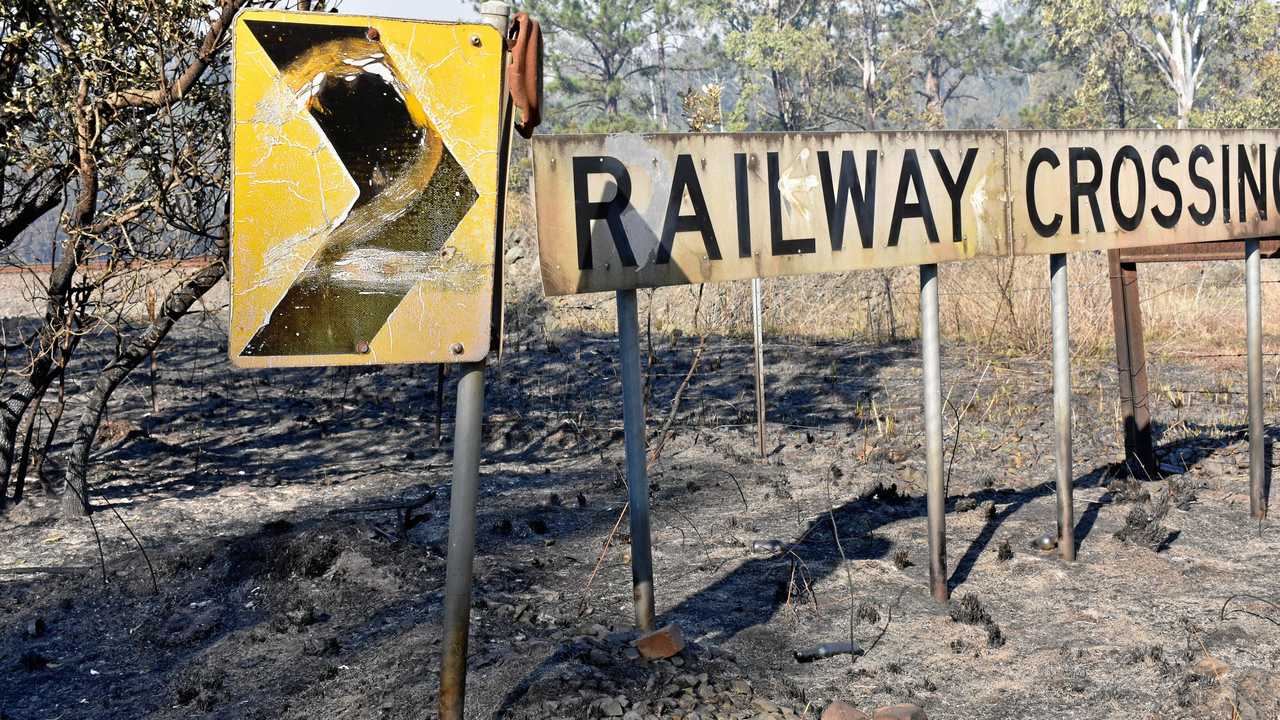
x=54 y=422
x=24 y=460
x=933 y=95
x=179 y=300
x=664 y=111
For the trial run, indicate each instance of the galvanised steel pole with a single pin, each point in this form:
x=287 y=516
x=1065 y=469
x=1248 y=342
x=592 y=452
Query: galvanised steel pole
x=937 y=492
x=1062 y=404
x=462 y=539
x=637 y=472
x=757 y=319
x=468 y=426
x=1257 y=431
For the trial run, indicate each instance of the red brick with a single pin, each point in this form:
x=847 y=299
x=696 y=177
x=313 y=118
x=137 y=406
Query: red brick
x=839 y=710
x=900 y=712
x=661 y=643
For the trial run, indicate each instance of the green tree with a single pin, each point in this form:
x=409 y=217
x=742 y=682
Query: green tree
x=119 y=108
x=594 y=48
x=1139 y=62
x=783 y=56
x=1098 y=76
x=946 y=43
x=1180 y=37
x=1244 y=89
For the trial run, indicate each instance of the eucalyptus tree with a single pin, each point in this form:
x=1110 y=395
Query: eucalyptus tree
x=594 y=49
x=117 y=108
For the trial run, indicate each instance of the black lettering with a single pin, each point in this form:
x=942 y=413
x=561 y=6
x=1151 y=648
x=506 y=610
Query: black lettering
x=1170 y=219
x=779 y=245
x=1086 y=189
x=955 y=186
x=1202 y=152
x=685 y=179
x=837 y=198
x=1043 y=156
x=744 y=204
x=1128 y=222
x=1226 y=184
x=610 y=211
x=918 y=209
x=1275 y=179
x=1244 y=173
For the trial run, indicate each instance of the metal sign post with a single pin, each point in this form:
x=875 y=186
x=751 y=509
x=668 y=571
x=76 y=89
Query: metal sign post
x=931 y=357
x=757 y=320
x=1257 y=432
x=1062 y=404
x=637 y=472
x=621 y=212
x=366 y=231
x=462 y=539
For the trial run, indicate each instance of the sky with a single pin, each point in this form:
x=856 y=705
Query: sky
x=416 y=9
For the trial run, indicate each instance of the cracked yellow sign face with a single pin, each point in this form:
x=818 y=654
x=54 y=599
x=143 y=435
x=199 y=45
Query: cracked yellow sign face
x=364 y=197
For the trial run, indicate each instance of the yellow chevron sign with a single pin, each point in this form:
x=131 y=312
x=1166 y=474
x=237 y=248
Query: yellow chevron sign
x=364 y=202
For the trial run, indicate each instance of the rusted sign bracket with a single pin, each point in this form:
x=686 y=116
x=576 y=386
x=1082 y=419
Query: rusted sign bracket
x=1131 y=361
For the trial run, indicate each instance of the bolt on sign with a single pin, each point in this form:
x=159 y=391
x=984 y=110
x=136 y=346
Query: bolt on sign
x=365 y=190
x=1108 y=190
x=628 y=211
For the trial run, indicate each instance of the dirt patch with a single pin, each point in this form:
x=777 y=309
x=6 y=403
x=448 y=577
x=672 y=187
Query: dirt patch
x=296 y=523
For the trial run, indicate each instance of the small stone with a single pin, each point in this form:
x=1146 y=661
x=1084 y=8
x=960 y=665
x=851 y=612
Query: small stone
x=765 y=706
x=839 y=710
x=610 y=708
x=302 y=616
x=35 y=627
x=1208 y=666
x=966 y=505
x=986 y=510
x=662 y=643
x=900 y=712
x=321 y=647
x=1044 y=543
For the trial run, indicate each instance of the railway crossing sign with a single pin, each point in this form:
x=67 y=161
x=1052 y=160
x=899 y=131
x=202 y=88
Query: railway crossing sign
x=622 y=212
x=364 y=202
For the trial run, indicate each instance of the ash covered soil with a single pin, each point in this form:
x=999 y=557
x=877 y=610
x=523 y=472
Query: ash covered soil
x=296 y=525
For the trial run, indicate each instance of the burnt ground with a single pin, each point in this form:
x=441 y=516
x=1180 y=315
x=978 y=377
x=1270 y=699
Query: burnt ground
x=285 y=587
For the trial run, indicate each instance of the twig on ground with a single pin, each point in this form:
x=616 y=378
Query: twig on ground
x=45 y=570
x=582 y=606
x=102 y=557
x=848 y=573
x=1222 y=614
x=406 y=505
x=664 y=433
x=888 y=619
x=694 y=527
x=735 y=484
x=155 y=583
